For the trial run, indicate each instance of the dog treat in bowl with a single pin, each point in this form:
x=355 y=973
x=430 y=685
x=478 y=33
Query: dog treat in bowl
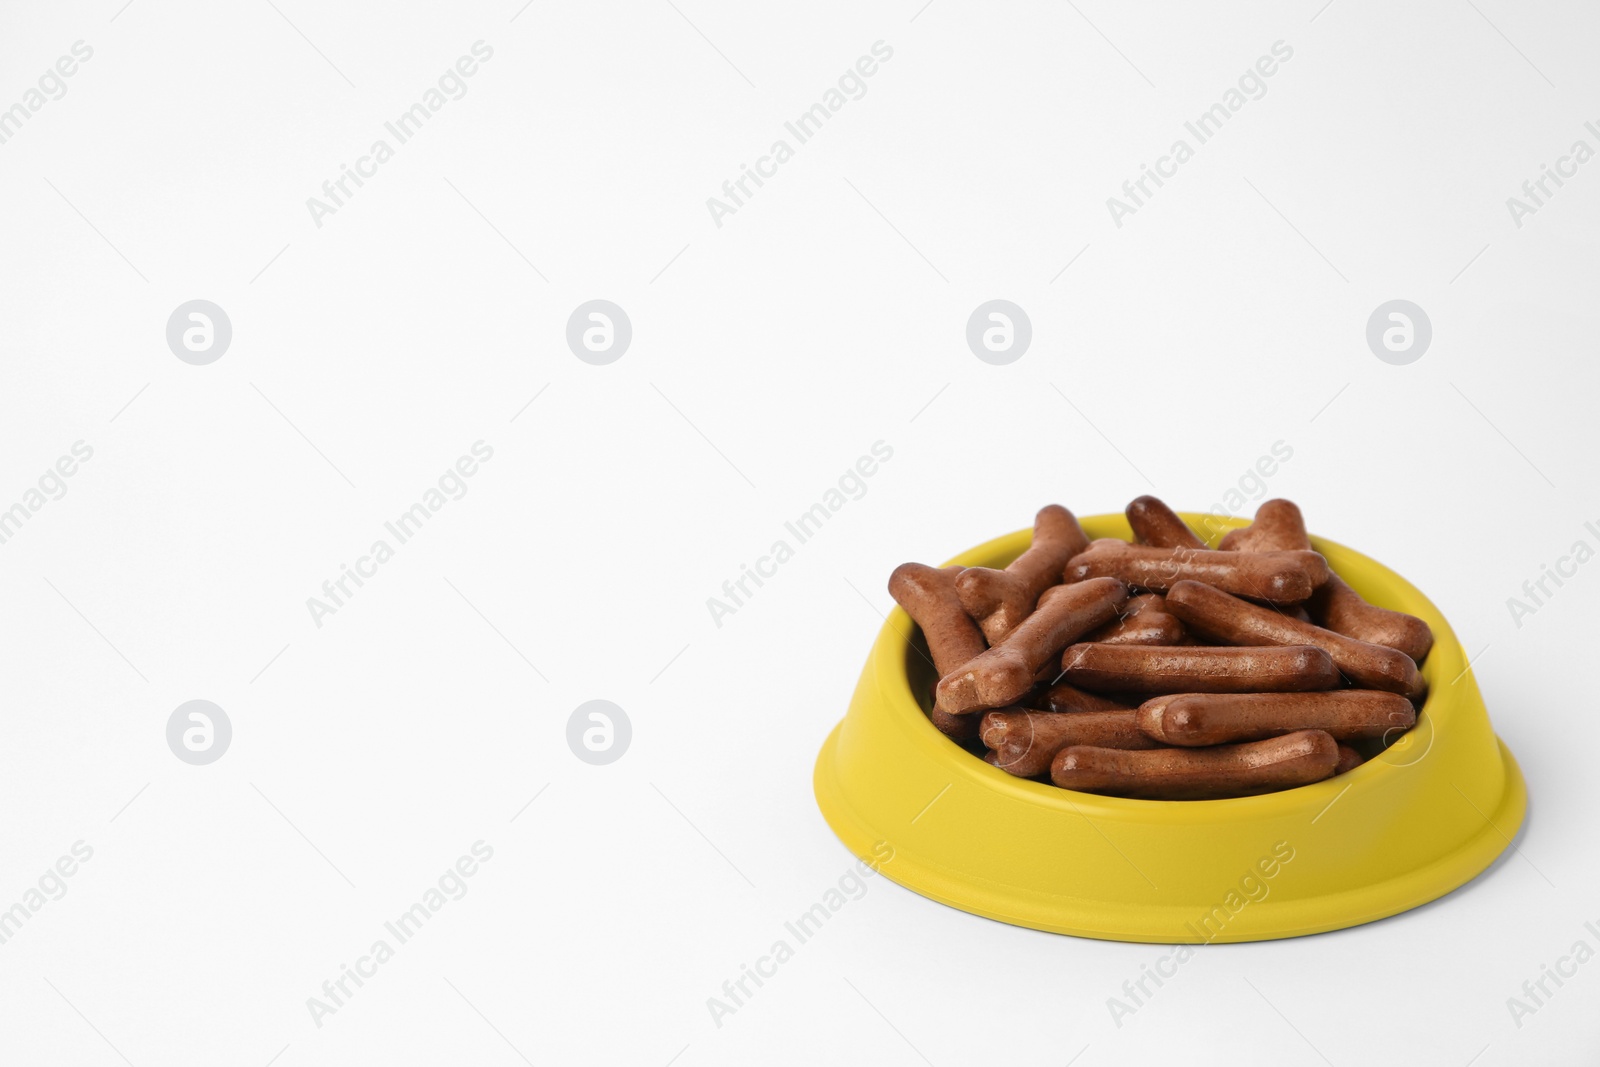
x=1236 y=622
x=1220 y=718
x=1006 y=671
x=928 y=595
x=1026 y=741
x=1278 y=526
x=999 y=600
x=1299 y=758
x=1156 y=524
x=1198 y=669
x=1277 y=577
x=1342 y=610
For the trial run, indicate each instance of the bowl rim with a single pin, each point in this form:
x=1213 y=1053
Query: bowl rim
x=891 y=651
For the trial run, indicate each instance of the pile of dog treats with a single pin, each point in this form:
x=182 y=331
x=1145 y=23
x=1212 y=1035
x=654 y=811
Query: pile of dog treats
x=1163 y=669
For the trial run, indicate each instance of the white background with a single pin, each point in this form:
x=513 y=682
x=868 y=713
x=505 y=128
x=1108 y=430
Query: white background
x=768 y=354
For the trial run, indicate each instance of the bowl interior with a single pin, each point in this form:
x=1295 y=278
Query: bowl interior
x=920 y=677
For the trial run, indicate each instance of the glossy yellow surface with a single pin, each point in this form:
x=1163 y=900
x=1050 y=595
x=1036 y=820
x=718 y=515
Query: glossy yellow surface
x=1404 y=828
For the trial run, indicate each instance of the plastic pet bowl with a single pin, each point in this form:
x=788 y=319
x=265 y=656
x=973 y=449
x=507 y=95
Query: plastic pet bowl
x=1409 y=825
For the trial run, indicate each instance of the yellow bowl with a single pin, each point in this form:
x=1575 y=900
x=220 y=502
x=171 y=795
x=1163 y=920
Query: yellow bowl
x=1406 y=827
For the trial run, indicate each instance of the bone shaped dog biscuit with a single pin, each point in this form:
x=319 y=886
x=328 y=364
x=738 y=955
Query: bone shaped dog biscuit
x=1000 y=599
x=1006 y=672
x=928 y=595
